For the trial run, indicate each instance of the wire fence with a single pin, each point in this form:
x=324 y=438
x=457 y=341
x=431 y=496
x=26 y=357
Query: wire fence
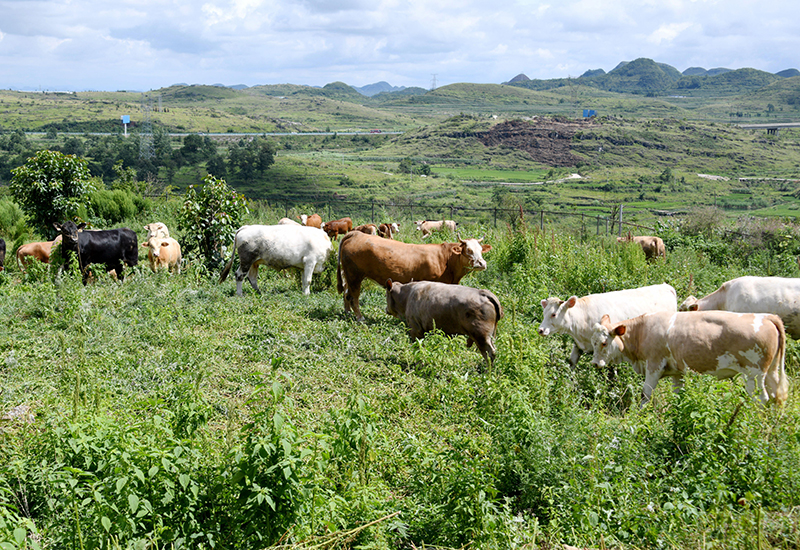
x=592 y=220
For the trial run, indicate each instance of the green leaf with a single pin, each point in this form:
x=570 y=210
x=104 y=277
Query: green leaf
x=133 y=502
x=106 y=523
x=184 y=480
x=19 y=535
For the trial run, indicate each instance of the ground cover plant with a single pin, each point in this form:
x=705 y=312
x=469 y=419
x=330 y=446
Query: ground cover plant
x=166 y=412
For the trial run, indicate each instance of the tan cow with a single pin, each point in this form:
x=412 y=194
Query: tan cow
x=314 y=220
x=427 y=227
x=35 y=251
x=720 y=343
x=778 y=295
x=653 y=247
x=453 y=309
x=367 y=228
x=371 y=257
x=163 y=253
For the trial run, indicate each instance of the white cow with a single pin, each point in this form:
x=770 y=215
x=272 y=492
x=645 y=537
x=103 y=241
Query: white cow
x=156 y=229
x=777 y=295
x=288 y=221
x=163 y=253
x=278 y=247
x=427 y=227
x=720 y=343
x=577 y=316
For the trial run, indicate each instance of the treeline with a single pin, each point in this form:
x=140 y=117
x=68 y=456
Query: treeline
x=152 y=157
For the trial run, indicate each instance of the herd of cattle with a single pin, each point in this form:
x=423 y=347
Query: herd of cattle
x=738 y=329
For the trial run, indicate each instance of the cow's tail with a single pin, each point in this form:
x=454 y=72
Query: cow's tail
x=227 y=268
x=777 y=370
x=340 y=278
x=498 y=308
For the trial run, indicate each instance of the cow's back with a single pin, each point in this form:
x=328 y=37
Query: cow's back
x=380 y=259
x=778 y=295
x=280 y=246
x=108 y=246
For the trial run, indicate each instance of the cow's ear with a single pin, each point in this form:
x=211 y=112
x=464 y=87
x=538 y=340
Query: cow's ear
x=388 y=284
x=544 y=303
x=57 y=226
x=82 y=225
x=144 y=245
x=620 y=330
x=164 y=243
x=694 y=307
x=486 y=248
x=572 y=301
x=605 y=320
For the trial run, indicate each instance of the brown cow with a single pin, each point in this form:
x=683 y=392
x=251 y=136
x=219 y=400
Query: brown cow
x=653 y=247
x=35 y=251
x=314 y=220
x=338 y=227
x=454 y=309
x=372 y=257
x=367 y=228
x=720 y=343
x=388 y=230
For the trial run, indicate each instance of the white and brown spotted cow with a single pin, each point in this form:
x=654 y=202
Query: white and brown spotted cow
x=719 y=343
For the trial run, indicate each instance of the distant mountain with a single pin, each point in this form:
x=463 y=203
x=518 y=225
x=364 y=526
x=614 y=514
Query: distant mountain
x=788 y=73
x=591 y=73
x=519 y=78
x=379 y=87
x=695 y=71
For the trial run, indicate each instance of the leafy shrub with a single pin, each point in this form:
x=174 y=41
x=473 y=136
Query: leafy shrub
x=115 y=206
x=50 y=187
x=210 y=217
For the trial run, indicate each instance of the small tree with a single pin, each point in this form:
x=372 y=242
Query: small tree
x=50 y=187
x=210 y=217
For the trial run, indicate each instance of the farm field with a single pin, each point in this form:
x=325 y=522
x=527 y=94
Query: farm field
x=166 y=412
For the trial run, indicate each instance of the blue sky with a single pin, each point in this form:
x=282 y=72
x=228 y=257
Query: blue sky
x=146 y=45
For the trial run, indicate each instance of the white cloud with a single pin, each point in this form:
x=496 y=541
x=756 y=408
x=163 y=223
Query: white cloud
x=84 y=43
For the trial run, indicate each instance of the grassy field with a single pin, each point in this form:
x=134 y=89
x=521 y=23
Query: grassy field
x=166 y=412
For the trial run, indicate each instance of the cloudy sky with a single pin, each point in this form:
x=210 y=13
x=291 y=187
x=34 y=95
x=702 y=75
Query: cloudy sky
x=147 y=44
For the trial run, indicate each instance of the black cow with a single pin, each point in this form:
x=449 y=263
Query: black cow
x=111 y=247
x=2 y=254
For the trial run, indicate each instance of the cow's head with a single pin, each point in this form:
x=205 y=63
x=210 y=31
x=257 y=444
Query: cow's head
x=607 y=343
x=689 y=304
x=155 y=245
x=394 y=228
x=395 y=302
x=69 y=233
x=156 y=229
x=471 y=252
x=303 y=218
x=419 y=223
x=554 y=311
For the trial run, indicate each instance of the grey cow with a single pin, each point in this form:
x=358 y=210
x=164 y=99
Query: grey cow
x=454 y=309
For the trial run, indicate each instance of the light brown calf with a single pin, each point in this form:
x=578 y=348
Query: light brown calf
x=35 y=251
x=653 y=247
x=163 y=254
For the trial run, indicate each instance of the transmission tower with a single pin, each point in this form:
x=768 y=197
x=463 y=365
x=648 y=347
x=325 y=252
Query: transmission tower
x=146 y=147
x=433 y=83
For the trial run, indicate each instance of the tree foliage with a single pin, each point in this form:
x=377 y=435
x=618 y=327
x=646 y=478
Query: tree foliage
x=210 y=216
x=51 y=186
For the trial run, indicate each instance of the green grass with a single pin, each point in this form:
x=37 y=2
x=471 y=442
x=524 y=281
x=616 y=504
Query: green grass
x=167 y=404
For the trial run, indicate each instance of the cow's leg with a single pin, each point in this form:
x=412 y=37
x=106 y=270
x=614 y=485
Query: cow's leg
x=252 y=276
x=239 y=279
x=351 y=297
x=651 y=378
x=575 y=356
x=754 y=382
x=308 y=272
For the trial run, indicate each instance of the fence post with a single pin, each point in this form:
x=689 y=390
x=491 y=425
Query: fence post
x=620 y=220
x=598 y=225
x=286 y=208
x=373 y=210
x=541 y=220
x=495 y=217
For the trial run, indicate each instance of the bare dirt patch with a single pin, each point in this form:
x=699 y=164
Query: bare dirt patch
x=548 y=141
